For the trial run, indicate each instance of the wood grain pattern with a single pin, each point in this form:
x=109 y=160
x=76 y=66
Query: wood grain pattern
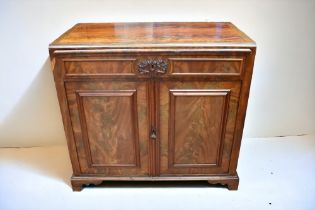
x=59 y=75
x=110 y=127
x=153 y=35
x=188 y=125
x=99 y=66
x=241 y=112
x=197 y=122
x=206 y=66
x=195 y=104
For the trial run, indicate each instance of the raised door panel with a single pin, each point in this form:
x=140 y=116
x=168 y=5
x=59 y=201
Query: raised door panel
x=110 y=126
x=196 y=126
x=197 y=119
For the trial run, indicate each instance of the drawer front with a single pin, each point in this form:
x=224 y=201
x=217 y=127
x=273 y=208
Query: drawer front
x=191 y=65
x=206 y=66
x=99 y=66
x=157 y=64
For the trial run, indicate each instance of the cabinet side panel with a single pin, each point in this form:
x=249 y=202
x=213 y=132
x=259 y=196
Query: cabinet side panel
x=241 y=113
x=58 y=71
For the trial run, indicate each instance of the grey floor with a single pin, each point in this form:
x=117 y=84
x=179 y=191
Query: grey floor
x=276 y=173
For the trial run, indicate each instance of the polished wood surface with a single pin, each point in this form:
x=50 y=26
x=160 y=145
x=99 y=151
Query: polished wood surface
x=206 y=66
x=197 y=122
x=110 y=122
x=153 y=101
x=153 y=34
x=110 y=126
x=108 y=66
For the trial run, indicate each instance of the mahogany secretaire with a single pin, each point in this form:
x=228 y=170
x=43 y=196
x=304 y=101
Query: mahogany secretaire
x=153 y=101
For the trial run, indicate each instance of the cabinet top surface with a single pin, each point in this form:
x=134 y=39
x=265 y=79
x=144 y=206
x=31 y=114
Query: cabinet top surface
x=157 y=34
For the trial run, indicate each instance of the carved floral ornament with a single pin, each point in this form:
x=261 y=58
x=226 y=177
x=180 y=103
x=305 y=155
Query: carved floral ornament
x=152 y=65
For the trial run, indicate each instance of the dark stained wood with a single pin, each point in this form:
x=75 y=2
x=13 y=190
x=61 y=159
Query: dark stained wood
x=153 y=101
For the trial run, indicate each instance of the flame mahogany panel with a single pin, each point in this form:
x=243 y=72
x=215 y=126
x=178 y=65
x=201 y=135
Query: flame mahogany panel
x=197 y=123
x=206 y=66
x=99 y=66
x=110 y=126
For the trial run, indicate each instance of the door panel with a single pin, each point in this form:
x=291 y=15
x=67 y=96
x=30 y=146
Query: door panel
x=106 y=118
x=195 y=138
x=196 y=126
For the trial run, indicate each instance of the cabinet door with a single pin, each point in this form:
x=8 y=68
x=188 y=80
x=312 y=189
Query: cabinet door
x=197 y=121
x=110 y=127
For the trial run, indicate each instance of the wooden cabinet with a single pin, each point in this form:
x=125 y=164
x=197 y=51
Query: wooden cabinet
x=153 y=101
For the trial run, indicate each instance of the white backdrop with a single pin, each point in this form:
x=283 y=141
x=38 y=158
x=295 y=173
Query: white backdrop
x=282 y=99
